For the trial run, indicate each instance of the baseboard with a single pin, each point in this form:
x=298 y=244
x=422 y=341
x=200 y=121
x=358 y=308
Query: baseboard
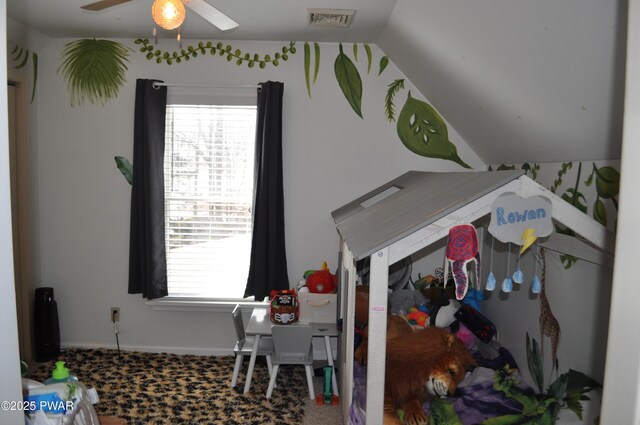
x=319 y=353
x=199 y=351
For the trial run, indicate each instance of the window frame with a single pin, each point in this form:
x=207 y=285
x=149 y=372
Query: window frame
x=216 y=97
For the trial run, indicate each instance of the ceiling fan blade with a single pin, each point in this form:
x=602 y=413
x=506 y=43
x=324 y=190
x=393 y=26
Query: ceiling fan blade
x=211 y=14
x=103 y=4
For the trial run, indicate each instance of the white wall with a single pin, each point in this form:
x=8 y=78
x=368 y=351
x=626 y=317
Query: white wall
x=521 y=81
x=579 y=297
x=621 y=398
x=330 y=155
x=9 y=358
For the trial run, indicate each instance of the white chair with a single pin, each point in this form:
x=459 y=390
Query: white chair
x=292 y=345
x=244 y=345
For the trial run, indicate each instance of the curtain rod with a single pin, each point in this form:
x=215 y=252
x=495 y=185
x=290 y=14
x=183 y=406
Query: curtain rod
x=157 y=85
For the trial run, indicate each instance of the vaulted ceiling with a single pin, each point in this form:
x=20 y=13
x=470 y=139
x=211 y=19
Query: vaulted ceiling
x=520 y=80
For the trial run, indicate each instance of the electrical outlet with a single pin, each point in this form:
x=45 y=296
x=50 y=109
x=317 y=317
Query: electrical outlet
x=115 y=314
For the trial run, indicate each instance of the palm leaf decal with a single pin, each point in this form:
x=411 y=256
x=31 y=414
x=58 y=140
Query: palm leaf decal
x=21 y=56
x=424 y=132
x=349 y=81
x=94 y=69
x=389 y=107
x=125 y=168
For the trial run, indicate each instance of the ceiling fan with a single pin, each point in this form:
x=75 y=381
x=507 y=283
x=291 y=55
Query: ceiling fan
x=201 y=7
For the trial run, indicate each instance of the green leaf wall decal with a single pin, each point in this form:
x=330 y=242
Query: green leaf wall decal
x=307 y=66
x=355 y=51
x=384 y=61
x=369 y=57
x=34 y=61
x=94 y=69
x=600 y=212
x=607 y=182
x=424 y=132
x=534 y=362
x=125 y=168
x=316 y=48
x=349 y=81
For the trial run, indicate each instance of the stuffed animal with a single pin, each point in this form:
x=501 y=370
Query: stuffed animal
x=418 y=316
x=322 y=281
x=419 y=365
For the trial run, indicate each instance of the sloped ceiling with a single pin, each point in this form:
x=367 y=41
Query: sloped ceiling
x=520 y=80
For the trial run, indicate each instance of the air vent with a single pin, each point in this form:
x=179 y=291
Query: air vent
x=340 y=18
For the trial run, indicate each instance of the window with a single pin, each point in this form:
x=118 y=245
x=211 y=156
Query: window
x=208 y=169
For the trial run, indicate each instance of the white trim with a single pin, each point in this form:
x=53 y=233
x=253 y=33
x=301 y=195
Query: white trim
x=157 y=84
x=347 y=310
x=376 y=358
x=571 y=217
x=564 y=244
x=199 y=351
x=195 y=304
x=440 y=228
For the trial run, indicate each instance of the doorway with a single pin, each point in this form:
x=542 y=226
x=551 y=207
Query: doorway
x=17 y=95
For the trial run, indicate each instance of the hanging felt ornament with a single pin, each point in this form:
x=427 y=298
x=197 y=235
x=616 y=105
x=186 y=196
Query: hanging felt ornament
x=536 y=286
x=507 y=284
x=462 y=248
x=518 y=276
x=491 y=282
x=491 y=279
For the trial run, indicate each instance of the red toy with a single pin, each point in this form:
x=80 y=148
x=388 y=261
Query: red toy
x=418 y=316
x=322 y=281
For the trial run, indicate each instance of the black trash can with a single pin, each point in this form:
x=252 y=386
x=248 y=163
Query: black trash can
x=46 y=326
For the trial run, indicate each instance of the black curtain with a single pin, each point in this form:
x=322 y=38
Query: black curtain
x=268 y=267
x=147 y=252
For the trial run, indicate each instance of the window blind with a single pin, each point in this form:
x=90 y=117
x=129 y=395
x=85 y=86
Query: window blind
x=208 y=168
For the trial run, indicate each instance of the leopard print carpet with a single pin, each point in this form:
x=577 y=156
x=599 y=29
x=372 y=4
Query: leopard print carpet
x=149 y=388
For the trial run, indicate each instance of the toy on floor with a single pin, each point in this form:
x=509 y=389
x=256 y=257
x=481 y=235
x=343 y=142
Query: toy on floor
x=322 y=281
x=327 y=396
x=420 y=366
x=418 y=315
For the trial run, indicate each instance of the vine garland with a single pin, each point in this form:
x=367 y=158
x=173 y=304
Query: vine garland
x=221 y=50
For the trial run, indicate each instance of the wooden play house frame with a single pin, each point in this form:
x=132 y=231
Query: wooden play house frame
x=412 y=212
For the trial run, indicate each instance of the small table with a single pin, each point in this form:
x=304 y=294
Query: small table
x=260 y=325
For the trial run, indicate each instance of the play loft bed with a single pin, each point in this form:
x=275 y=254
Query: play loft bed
x=410 y=213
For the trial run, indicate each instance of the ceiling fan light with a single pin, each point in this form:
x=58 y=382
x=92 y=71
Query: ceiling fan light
x=168 y=14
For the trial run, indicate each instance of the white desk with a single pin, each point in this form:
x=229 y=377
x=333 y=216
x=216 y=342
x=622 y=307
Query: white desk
x=260 y=325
